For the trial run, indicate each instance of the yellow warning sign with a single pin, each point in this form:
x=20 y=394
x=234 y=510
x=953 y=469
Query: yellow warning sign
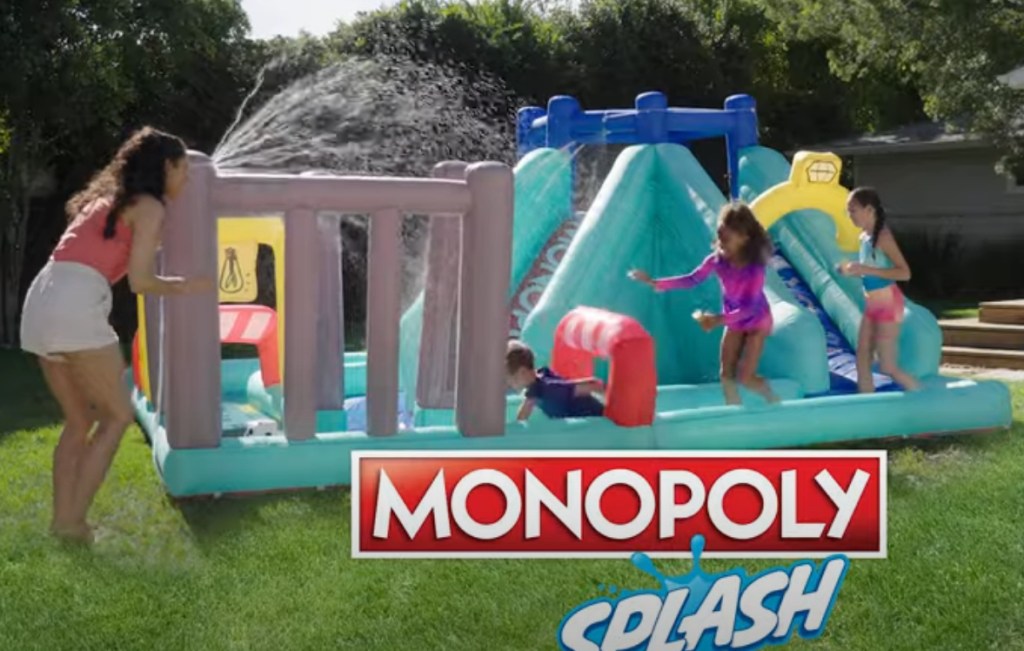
x=236 y=279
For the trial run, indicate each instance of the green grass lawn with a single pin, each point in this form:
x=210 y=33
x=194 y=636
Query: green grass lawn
x=274 y=572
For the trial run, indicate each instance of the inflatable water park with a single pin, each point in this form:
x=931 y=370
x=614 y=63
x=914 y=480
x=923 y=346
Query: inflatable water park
x=510 y=256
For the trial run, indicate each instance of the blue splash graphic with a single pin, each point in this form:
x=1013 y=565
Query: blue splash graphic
x=699 y=611
x=842 y=360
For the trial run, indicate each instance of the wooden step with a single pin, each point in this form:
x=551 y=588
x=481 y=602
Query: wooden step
x=1008 y=312
x=972 y=333
x=983 y=357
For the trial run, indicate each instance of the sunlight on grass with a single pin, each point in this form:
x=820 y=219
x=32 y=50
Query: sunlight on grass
x=953 y=309
x=274 y=572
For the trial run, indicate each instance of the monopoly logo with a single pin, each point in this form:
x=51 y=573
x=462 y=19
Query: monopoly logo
x=793 y=504
x=708 y=612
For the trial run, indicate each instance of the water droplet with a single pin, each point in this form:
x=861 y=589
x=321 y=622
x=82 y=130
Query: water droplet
x=697 y=548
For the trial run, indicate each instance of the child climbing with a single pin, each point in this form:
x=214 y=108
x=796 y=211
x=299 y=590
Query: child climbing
x=881 y=265
x=741 y=252
x=556 y=396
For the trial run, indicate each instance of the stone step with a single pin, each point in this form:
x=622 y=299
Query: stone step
x=973 y=333
x=983 y=357
x=1006 y=312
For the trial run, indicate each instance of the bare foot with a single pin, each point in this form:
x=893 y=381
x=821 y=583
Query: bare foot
x=906 y=382
x=78 y=533
x=732 y=395
x=760 y=386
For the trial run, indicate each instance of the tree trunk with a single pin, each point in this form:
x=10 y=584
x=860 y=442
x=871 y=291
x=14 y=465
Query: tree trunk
x=14 y=214
x=12 y=252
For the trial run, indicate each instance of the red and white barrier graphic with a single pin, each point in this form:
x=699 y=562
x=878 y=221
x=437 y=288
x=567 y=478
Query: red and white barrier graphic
x=255 y=325
x=793 y=504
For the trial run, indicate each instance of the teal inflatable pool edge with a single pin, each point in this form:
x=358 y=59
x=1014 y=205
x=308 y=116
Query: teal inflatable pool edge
x=242 y=465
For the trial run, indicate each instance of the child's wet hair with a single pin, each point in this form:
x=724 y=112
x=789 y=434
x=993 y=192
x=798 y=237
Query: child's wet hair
x=737 y=217
x=518 y=356
x=865 y=196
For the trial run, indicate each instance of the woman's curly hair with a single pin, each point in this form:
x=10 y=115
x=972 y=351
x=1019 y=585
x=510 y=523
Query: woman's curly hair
x=139 y=167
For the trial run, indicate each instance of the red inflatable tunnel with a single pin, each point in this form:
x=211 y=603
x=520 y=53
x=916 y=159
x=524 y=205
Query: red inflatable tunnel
x=586 y=333
x=255 y=325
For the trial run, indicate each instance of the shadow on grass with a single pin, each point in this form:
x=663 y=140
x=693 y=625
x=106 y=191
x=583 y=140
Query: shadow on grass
x=213 y=521
x=979 y=440
x=25 y=402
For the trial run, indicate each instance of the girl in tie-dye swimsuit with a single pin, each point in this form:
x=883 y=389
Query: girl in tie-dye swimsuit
x=739 y=261
x=881 y=264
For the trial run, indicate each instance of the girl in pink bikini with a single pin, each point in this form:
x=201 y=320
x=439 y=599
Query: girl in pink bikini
x=114 y=232
x=881 y=264
x=739 y=260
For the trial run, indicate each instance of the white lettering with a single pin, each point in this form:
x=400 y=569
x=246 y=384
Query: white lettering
x=816 y=603
x=568 y=513
x=846 y=501
x=471 y=526
x=769 y=504
x=752 y=605
x=618 y=637
x=531 y=502
x=717 y=611
x=670 y=509
x=574 y=630
x=644 y=514
x=674 y=603
x=790 y=527
x=390 y=502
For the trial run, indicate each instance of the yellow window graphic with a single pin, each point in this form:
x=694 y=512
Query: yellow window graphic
x=236 y=265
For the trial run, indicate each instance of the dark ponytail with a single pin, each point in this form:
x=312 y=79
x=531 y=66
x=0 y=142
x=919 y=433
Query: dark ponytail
x=139 y=167
x=865 y=196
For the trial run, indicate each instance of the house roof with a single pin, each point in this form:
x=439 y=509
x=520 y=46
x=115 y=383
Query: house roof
x=923 y=136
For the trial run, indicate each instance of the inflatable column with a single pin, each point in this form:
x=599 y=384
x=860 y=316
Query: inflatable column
x=480 y=385
x=301 y=247
x=330 y=318
x=191 y=330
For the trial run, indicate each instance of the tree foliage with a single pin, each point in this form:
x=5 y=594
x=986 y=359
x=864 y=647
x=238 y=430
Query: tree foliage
x=78 y=74
x=950 y=51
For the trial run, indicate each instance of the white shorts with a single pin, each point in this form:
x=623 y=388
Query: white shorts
x=67 y=309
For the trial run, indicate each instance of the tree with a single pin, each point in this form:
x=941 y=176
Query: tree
x=951 y=51
x=59 y=78
x=77 y=74
x=507 y=39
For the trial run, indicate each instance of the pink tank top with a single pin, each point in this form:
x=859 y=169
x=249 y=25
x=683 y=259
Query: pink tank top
x=83 y=242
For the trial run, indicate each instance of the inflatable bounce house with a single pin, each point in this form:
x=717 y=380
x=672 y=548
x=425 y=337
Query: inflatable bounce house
x=510 y=256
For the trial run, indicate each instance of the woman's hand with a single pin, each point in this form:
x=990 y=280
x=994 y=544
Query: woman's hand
x=641 y=277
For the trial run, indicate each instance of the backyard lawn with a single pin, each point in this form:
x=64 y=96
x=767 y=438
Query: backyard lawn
x=274 y=572
x=952 y=309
